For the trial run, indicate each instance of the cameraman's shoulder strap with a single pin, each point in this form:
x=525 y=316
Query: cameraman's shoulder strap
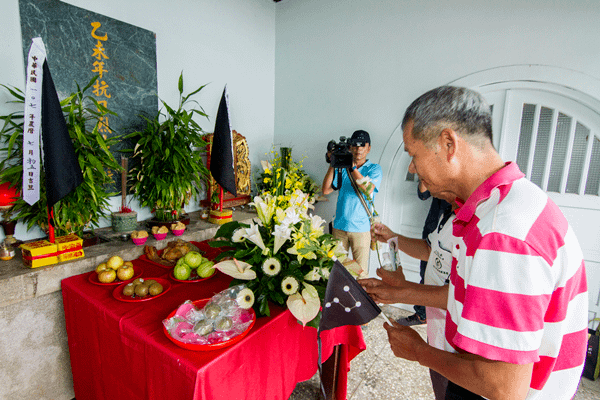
x=360 y=195
x=336 y=173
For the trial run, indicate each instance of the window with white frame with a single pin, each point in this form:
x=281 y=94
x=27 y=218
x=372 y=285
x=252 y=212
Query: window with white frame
x=555 y=141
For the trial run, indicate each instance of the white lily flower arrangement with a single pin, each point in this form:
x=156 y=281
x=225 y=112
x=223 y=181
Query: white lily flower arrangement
x=283 y=256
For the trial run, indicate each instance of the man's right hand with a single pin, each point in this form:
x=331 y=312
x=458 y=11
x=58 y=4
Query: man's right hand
x=393 y=278
x=388 y=289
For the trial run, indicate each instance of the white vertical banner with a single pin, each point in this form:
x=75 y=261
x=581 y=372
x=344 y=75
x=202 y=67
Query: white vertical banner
x=33 y=121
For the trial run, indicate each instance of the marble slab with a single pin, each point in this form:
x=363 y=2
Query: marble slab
x=81 y=44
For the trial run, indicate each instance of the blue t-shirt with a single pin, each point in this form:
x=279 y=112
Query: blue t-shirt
x=350 y=215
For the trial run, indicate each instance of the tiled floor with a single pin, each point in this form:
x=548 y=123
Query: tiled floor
x=377 y=374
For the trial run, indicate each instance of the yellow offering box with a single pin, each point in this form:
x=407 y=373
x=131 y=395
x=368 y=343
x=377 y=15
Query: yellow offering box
x=39 y=253
x=70 y=247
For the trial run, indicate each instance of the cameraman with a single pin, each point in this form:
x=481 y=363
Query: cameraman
x=351 y=222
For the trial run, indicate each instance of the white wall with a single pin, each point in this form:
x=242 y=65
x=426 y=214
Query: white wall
x=307 y=71
x=213 y=41
x=342 y=66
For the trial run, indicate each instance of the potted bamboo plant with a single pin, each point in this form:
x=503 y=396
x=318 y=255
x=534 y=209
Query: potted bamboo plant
x=167 y=169
x=125 y=219
x=86 y=205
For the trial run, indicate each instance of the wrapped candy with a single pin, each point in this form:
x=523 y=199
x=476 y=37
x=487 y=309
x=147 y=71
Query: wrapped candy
x=219 y=320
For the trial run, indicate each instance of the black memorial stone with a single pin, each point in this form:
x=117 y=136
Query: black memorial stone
x=81 y=44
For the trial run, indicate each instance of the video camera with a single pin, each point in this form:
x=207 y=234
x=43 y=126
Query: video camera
x=340 y=153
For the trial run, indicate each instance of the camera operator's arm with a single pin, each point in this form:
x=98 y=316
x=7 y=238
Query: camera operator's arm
x=328 y=180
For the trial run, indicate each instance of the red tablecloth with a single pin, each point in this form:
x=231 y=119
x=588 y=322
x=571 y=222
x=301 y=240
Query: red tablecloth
x=118 y=349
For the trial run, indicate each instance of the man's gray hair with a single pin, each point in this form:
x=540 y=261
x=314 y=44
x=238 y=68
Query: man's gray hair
x=462 y=109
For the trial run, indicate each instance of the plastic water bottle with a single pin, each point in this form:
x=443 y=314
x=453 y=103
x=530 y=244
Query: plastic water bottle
x=390 y=258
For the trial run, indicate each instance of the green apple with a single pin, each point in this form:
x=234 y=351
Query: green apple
x=193 y=259
x=206 y=269
x=181 y=261
x=182 y=272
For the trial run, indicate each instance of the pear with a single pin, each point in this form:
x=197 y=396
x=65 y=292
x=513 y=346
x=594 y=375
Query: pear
x=125 y=272
x=101 y=267
x=115 y=262
x=107 y=276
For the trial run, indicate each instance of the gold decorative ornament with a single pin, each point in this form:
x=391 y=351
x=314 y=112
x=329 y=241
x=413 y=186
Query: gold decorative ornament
x=242 y=173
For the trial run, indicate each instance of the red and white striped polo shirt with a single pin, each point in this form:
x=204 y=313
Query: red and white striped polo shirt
x=518 y=290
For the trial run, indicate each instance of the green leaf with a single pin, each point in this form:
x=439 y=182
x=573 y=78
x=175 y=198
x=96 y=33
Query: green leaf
x=92 y=81
x=278 y=297
x=15 y=92
x=226 y=230
x=241 y=254
x=193 y=93
x=95 y=162
x=219 y=243
x=315 y=321
x=223 y=255
x=263 y=305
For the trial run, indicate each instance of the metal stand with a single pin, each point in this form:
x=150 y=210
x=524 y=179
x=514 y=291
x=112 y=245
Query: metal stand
x=330 y=373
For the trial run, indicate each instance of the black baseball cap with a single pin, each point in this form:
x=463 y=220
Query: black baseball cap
x=360 y=138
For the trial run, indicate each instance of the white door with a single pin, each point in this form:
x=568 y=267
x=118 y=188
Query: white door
x=555 y=140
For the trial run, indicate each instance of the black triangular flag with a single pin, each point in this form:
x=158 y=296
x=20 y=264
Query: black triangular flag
x=221 y=154
x=345 y=302
x=63 y=173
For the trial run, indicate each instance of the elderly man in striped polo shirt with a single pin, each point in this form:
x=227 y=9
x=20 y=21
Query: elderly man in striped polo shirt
x=516 y=325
